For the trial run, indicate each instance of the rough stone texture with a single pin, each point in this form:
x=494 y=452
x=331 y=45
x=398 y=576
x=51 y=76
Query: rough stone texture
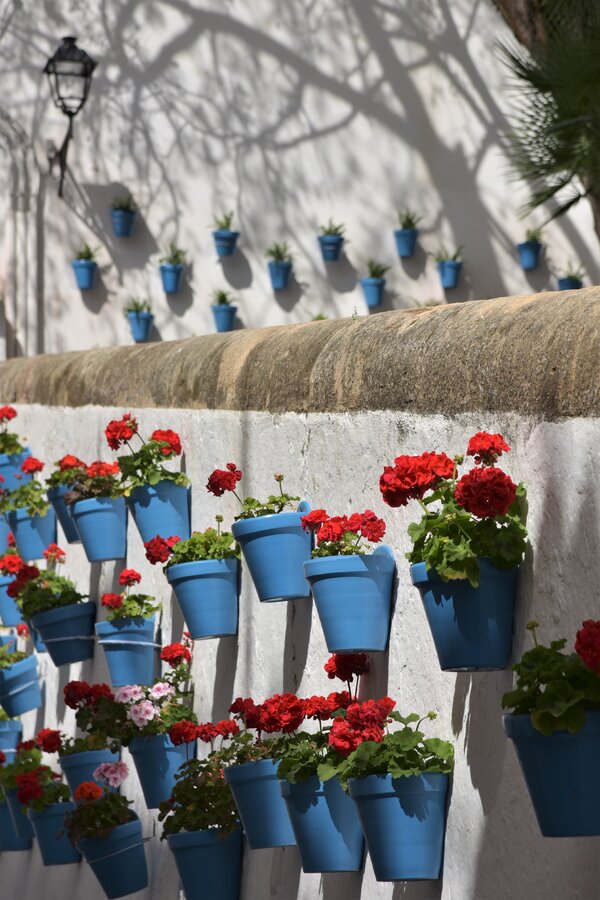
x=538 y=354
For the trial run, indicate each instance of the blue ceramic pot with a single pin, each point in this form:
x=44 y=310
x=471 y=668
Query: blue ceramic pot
x=67 y=632
x=85 y=273
x=10 y=469
x=280 y=274
x=56 y=496
x=49 y=829
x=32 y=533
x=331 y=246
x=10 y=614
x=373 y=289
x=406 y=241
x=569 y=284
x=21 y=823
x=529 y=254
x=118 y=861
x=80 y=767
x=38 y=642
x=225 y=241
x=162 y=509
x=171 y=277
x=326 y=825
x=353 y=596
x=404 y=821
x=140 y=324
x=102 y=526
x=9 y=839
x=207 y=592
x=122 y=222
x=224 y=315
x=4 y=533
x=562 y=775
x=130 y=650
x=471 y=627
x=275 y=549
x=449 y=270
x=10 y=734
x=262 y=809
x=20 y=687
x=209 y=865
x=157 y=762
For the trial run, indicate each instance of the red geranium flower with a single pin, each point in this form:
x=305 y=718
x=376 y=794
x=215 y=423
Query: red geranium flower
x=26 y=573
x=29 y=785
x=412 y=476
x=486 y=493
x=2 y=758
x=11 y=540
x=98 y=692
x=129 y=577
x=76 y=693
x=112 y=601
x=31 y=465
x=170 y=439
x=70 y=462
x=369 y=714
x=222 y=480
x=227 y=728
x=487 y=448
x=342 y=738
x=53 y=553
x=206 y=732
x=339 y=700
x=313 y=520
x=99 y=469
x=587 y=644
x=183 y=732
x=371 y=527
x=345 y=665
x=175 y=654
x=7 y=413
x=318 y=708
x=248 y=711
x=23 y=630
x=158 y=550
x=281 y=712
x=11 y=563
x=87 y=792
x=119 y=431
x=49 y=740
x=26 y=745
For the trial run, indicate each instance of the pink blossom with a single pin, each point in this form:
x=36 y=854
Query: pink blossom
x=161 y=689
x=114 y=774
x=128 y=692
x=142 y=713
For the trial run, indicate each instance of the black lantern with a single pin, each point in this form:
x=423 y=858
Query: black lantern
x=69 y=72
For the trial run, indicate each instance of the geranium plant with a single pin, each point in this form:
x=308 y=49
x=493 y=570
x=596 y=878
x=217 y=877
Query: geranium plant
x=98 y=812
x=31 y=495
x=145 y=465
x=343 y=535
x=47 y=590
x=69 y=470
x=99 y=479
x=209 y=544
x=222 y=480
x=126 y=605
x=9 y=657
x=201 y=799
x=51 y=740
x=10 y=443
x=36 y=785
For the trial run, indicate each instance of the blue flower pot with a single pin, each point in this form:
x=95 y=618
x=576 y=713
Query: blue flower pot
x=162 y=509
x=10 y=614
x=171 y=277
x=406 y=241
x=9 y=839
x=20 y=687
x=102 y=526
x=262 y=809
x=118 y=861
x=331 y=246
x=373 y=289
x=471 y=627
x=10 y=735
x=32 y=533
x=10 y=641
x=140 y=324
x=562 y=775
x=404 y=821
x=67 y=632
x=122 y=222
x=529 y=254
x=130 y=650
x=275 y=548
x=224 y=315
x=207 y=592
x=80 y=767
x=38 y=642
x=326 y=825
x=353 y=596
x=56 y=496
x=4 y=531
x=85 y=273
x=209 y=865
x=21 y=823
x=157 y=762
x=449 y=270
x=10 y=470
x=225 y=241
x=280 y=274
x=569 y=284
x=49 y=828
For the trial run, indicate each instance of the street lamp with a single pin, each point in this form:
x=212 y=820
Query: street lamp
x=69 y=72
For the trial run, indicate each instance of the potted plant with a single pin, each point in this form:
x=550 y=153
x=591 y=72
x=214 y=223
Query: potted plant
x=204 y=574
x=271 y=537
x=223 y=310
x=99 y=512
x=139 y=315
x=46 y=801
x=572 y=278
x=280 y=265
x=9 y=839
x=85 y=267
x=10 y=565
x=331 y=241
x=554 y=723
x=466 y=549
x=158 y=499
x=59 y=483
x=80 y=757
x=122 y=214
x=530 y=249
x=30 y=518
x=19 y=685
x=406 y=236
x=12 y=455
x=374 y=285
x=172 y=266
x=449 y=266
x=351 y=584
x=26 y=759
x=225 y=239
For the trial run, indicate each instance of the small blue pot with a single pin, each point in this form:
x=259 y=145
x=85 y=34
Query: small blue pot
x=32 y=533
x=67 y=632
x=21 y=823
x=10 y=469
x=85 y=273
x=275 y=548
x=80 y=767
x=373 y=289
x=20 y=687
x=49 y=829
x=9 y=839
x=140 y=324
x=225 y=241
x=207 y=592
x=326 y=825
x=161 y=509
x=449 y=270
x=130 y=650
x=280 y=274
x=157 y=762
x=56 y=496
x=171 y=277
x=406 y=241
x=562 y=775
x=224 y=315
x=122 y=222
x=262 y=809
x=10 y=734
x=404 y=821
x=471 y=627
x=209 y=865
x=569 y=284
x=10 y=614
x=102 y=526
x=353 y=596
x=529 y=254
x=118 y=861
x=331 y=246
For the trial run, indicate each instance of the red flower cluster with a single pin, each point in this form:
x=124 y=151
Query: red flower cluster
x=23 y=630
x=323 y=708
x=281 y=712
x=222 y=480
x=53 y=553
x=11 y=540
x=486 y=493
x=587 y=644
x=29 y=786
x=11 y=563
x=79 y=693
x=158 y=550
x=24 y=574
x=487 y=448
x=333 y=528
x=7 y=413
x=345 y=665
x=412 y=476
x=247 y=710
x=183 y=732
x=87 y=792
x=170 y=439
x=70 y=462
x=363 y=722
x=99 y=469
x=31 y=465
x=175 y=655
x=129 y=577
x=119 y=431
x=49 y=740
x=2 y=758
x=26 y=745
x=112 y=601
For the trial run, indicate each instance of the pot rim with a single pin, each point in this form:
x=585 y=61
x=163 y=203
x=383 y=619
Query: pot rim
x=181 y=839
x=180 y=570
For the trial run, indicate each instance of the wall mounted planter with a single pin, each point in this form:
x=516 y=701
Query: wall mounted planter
x=56 y=496
x=224 y=315
x=406 y=241
x=32 y=533
x=225 y=241
x=118 y=861
x=123 y=221
x=102 y=526
x=163 y=509
x=20 y=820
x=80 y=767
x=130 y=650
x=140 y=324
x=157 y=761
x=373 y=290
x=280 y=274
x=85 y=273
x=209 y=865
x=10 y=734
x=262 y=809
x=10 y=614
x=529 y=254
x=20 y=687
x=569 y=284
x=172 y=276
x=207 y=592
x=49 y=829
x=331 y=246
x=10 y=469
x=449 y=270
x=67 y=632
